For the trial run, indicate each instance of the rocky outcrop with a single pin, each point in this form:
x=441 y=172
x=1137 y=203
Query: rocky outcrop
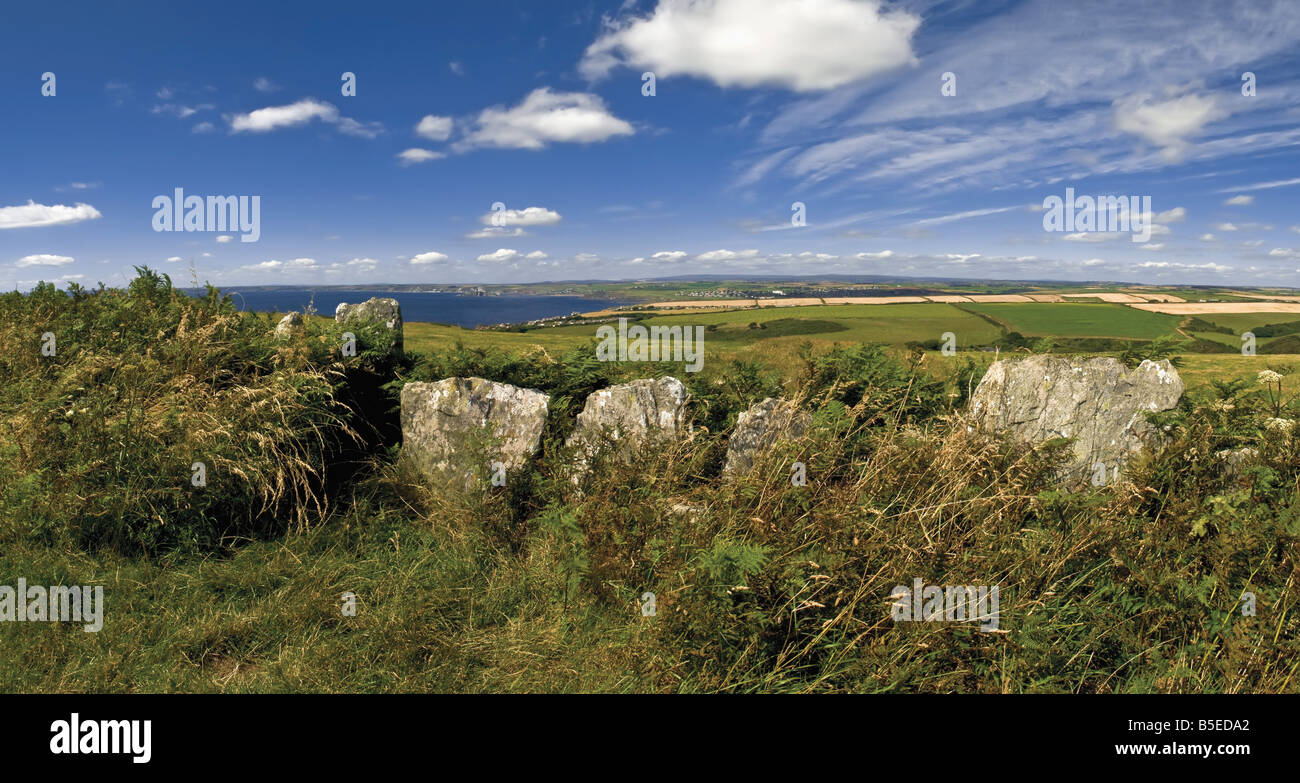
x=629 y=416
x=290 y=326
x=758 y=428
x=1098 y=403
x=451 y=426
x=382 y=310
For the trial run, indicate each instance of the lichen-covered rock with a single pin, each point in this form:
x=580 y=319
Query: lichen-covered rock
x=629 y=416
x=1098 y=403
x=383 y=310
x=758 y=428
x=290 y=326
x=450 y=426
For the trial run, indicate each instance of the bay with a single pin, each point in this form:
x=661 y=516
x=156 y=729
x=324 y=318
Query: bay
x=444 y=308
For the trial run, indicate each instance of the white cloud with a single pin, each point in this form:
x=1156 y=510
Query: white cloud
x=203 y=127
x=543 y=118
x=529 y=216
x=430 y=257
x=1225 y=227
x=44 y=259
x=1284 y=252
x=174 y=259
x=726 y=255
x=503 y=254
x=416 y=155
x=293 y=264
x=1239 y=201
x=1175 y=215
x=1151 y=246
x=670 y=255
x=1206 y=237
x=1277 y=183
x=1169 y=123
x=223 y=239
x=805 y=45
x=300 y=113
x=492 y=232
x=275 y=117
x=32 y=215
x=364 y=264
x=456 y=68
x=263 y=84
x=870 y=256
x=434 y=128
x=536 y=255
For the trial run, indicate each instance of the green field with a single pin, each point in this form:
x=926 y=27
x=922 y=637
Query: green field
x=1083 y=319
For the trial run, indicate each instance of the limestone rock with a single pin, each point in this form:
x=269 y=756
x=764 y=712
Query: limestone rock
x=1099 y=403
x=758 y=428
x=384 y=310
x=629 y=416
x=451 y=425
x=290 y=326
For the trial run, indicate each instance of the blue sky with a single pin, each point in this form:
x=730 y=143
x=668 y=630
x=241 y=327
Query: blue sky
x=758 y=104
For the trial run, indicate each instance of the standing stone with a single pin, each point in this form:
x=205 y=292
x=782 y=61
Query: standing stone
x=290 y=326
x=384 y=310
x=1099 y=403
x=629 y=416
x=759 y=428
x=450 y=426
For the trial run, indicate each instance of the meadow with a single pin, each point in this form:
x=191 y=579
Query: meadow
x=763 y=585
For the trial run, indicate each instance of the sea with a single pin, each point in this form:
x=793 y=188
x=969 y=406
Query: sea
x=444 y=308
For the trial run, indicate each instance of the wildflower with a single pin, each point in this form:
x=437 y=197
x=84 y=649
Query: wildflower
x=1266 y=377
x=1279 y=425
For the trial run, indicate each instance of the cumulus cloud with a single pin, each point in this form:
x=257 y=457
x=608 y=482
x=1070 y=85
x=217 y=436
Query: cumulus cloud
x=503 y=254
x=300 y=113
x=416 y=155
x=223 y=239
x=32 y=215
x=1239 y=201
x=670 y=255
x=431 y=257
x=726 y=255
x=536 y=255
x=802 y=46
x=528 y=216
x=174 y=259
x=276 y=117
x=869 y=256
x=434 y=128
x=44 y=259
x=544 y=118
x=293 y=264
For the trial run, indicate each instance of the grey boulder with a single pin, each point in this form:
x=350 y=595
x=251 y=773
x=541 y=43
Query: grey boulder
x=628 y=416
x=1098 y=403
x=383 y=310
x=759 y=428
x=290 y=326
x=454 y=426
